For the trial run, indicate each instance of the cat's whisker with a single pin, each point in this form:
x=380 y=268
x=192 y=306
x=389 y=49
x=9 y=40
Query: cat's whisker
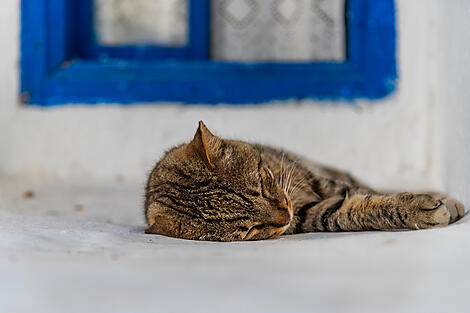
x=286 y=184
x=270 y=173
x=297 y=185
x=295 y=188
x=292 y=176
x=289 y=177
x=294 y=171
x=287 y=173
x=281 y=174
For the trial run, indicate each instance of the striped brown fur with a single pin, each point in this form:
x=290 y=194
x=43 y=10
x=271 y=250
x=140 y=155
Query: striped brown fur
x=227 y=190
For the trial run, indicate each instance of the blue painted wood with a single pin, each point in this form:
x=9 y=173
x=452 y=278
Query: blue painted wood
x=368 y=72
x=199 y=29
x=46 y=41
x=33 y=47
x=196 y=48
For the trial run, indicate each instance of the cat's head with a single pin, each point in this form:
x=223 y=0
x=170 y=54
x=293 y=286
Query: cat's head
x=215 y=189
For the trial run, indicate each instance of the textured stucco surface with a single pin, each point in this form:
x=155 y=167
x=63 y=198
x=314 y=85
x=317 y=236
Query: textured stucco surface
x=54 y=258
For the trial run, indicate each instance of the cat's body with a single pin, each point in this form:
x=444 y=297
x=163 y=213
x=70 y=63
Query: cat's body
x=224 y=190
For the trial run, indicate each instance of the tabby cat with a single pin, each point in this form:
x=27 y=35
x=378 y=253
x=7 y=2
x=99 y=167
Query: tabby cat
x=228 y=190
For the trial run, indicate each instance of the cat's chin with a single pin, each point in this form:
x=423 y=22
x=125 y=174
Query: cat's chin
x=263 y=231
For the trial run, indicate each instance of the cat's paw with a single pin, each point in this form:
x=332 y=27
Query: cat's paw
x=432 y=210
x=455 y=208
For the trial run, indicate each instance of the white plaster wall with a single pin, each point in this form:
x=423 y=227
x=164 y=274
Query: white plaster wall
x=452 y=96
x=388 y=143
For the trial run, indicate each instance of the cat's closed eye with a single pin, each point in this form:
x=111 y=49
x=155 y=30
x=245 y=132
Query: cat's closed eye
x=253 y=193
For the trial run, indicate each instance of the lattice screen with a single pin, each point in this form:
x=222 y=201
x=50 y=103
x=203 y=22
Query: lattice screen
x=242 y=30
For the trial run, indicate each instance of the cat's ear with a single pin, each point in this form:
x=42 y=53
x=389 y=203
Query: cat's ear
x=205 y=144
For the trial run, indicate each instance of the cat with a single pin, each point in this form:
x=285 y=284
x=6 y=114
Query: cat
x=228 y=190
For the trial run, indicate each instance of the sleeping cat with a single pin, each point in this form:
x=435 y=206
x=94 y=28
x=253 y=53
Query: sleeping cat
x=228 y=190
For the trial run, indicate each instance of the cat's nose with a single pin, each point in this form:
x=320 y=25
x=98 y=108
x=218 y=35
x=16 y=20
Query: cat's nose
x=284 y=212
x=283 y=216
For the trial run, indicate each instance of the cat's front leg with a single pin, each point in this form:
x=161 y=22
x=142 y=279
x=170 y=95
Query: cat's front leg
x=383 y=212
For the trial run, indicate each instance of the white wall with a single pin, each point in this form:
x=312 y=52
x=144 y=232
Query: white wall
x=452 y=96
x=389 y=143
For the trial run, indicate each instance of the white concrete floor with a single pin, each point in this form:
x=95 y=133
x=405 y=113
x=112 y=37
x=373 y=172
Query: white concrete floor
x=80 y=247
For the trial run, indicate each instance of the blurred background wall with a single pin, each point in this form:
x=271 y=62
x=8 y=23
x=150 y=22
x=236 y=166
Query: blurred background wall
x=450 y=95
x=416 y=138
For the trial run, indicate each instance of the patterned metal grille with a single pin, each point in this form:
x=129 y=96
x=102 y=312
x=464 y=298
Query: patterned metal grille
x=278 y=30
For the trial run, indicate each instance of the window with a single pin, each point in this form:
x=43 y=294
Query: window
x=65 y=59
x=100 y=36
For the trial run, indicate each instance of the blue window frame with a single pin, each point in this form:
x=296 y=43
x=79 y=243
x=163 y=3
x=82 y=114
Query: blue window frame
x=61 y=62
